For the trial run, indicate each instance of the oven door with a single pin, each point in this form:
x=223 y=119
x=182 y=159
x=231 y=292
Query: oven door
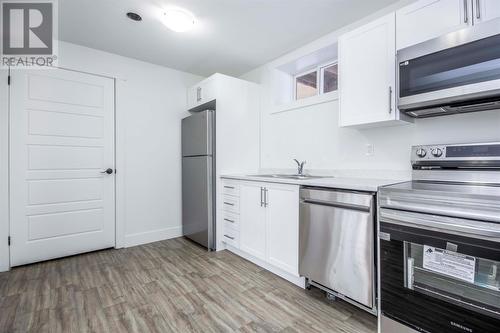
x=451 y=69
x=440 y=274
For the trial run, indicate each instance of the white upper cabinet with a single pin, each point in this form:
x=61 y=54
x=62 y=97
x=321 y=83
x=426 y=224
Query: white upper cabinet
x=367 y=74
x=203 y=92
x=427 y=19
x=485 y=10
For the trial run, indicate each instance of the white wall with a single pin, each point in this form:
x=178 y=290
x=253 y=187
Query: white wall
x=150 y=102
x=312 y=133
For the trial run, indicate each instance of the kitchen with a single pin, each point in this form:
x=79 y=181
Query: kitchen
x=295 y=170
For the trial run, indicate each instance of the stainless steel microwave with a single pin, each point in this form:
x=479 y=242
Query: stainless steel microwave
x=455 y=73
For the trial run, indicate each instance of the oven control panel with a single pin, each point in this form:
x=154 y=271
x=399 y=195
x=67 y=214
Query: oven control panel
x=429 y=152
x=473 y=153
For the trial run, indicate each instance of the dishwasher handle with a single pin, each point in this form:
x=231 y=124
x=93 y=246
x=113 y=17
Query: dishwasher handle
x=363 y=201
x=336 y=205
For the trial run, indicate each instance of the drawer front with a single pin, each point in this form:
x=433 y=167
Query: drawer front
x=229 y=188
x=231 y=220
x=231 y=237
x=231 y=204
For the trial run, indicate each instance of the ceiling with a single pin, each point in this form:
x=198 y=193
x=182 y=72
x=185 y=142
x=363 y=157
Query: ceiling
x=231 y=37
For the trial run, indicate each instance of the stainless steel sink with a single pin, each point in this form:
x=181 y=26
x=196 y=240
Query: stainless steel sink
x=286 y=176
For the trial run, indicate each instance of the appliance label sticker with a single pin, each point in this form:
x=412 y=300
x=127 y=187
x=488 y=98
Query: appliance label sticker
x=452 y=264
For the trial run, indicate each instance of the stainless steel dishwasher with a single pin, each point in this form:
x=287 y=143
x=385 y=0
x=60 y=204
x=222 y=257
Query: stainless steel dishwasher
x=337 y=244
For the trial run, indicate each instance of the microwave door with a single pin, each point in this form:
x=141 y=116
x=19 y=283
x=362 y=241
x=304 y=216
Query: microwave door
x=439 y=73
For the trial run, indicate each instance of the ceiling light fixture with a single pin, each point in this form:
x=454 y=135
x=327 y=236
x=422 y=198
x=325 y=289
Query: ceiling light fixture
x=134 y=16
x=178 y=20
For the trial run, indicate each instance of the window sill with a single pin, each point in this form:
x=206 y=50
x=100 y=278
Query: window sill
x=293 y=105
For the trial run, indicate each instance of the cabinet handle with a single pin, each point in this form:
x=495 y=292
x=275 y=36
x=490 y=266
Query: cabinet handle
x=230 y=187
x=261 y=196
x=390 y=99
x=478 y=9
x=228 y=203
x=232 y=238
x=198 y=94
x=228 y=220
x=265 y=198
x=466 y=11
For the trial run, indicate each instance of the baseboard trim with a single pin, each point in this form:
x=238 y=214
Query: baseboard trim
x=4 y=267
x=297 y=280
x=152 y=236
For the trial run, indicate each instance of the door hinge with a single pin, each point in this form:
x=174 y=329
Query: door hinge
x=8 y=80
x=8 y=240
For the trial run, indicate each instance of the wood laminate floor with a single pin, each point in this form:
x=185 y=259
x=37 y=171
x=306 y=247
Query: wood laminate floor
x=169 y=286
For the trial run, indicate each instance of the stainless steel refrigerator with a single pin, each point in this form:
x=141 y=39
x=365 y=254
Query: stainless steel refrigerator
x=198 y=178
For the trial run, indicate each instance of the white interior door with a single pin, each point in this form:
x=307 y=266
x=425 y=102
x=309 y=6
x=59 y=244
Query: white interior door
x=62 y=138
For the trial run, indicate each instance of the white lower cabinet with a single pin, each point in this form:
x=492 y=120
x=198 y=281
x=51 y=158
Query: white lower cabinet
x=253 y=220
x=268 y=223
x=283 y=227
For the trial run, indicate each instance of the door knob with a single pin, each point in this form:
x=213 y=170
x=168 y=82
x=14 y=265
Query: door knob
x=108 y=171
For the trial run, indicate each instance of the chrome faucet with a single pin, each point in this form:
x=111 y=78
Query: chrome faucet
x=300 y=167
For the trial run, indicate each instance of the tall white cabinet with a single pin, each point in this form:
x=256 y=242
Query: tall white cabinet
x=237 y=113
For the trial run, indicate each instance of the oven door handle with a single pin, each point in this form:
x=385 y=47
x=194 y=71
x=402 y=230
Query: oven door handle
x=456 y=301
x=474 y=229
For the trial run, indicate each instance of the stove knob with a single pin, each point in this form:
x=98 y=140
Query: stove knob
x=421 y=152
x=437 y=152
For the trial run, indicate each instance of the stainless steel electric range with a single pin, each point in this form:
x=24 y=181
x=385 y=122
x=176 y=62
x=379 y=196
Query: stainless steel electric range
x=439 y=243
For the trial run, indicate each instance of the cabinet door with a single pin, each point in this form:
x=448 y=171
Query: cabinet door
x=252 y=220
x=283 y=227
x=203 y=92
x=485 y=10
x=367 y=73
x=191 y=96
x=207 y=91
x=427 y=19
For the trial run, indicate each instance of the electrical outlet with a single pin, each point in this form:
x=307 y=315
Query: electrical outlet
x=370 y=150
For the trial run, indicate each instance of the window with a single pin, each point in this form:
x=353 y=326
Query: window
x=306 y=85
x=323 y=79
x=329 y=76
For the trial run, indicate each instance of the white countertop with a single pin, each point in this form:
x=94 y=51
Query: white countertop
x=346 y=183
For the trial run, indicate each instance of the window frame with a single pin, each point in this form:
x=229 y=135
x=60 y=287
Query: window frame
x=296 y=76
x=319 y=69
x=322 y=78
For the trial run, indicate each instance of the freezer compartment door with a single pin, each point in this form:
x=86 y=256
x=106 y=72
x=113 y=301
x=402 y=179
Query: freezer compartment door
x=197 y=134
x=336 y=250
x=197 y=200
